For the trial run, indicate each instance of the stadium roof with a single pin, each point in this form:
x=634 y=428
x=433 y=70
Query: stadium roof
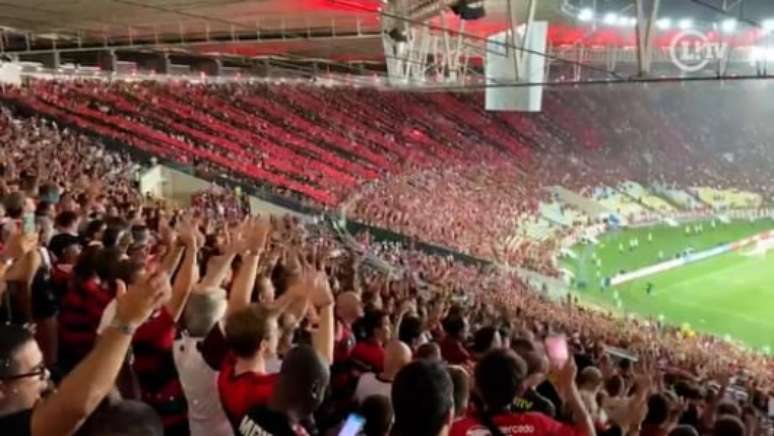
x=333 y=30
x=45 y=24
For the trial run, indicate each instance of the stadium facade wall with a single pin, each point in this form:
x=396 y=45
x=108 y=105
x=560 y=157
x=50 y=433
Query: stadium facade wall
x=164 y=182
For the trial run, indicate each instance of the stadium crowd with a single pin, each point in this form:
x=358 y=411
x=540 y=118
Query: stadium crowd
x=127 y=316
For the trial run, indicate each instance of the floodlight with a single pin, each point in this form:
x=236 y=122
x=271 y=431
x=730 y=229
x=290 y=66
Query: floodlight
x=610 y=18
x=664 y=23
x=685 y=23
x=728 y=25
x=586 y=14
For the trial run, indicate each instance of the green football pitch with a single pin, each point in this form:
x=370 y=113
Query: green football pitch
x=731 y=295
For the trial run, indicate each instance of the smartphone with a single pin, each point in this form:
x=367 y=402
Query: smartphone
x=771 y=407
x=28 y=223
x=353 y=425
x=557 y=350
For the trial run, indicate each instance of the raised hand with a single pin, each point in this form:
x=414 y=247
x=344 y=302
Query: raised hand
x=321 y=294
x=135 y=304
x=166 y=233
x=258 y=232
x=566 y=375
x=235 y=239
x=310 y=281
x=407 y=306
x=188 y=232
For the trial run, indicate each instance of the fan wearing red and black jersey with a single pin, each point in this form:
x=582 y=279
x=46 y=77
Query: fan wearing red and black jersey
x=498 y=378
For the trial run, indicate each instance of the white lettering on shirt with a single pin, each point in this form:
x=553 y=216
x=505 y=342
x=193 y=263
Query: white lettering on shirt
x=507 y=430
x=249 y=428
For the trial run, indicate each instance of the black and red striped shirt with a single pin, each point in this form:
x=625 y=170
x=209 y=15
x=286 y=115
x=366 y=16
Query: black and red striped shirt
x=155 y=368
x=79 y=316
x=241 y=392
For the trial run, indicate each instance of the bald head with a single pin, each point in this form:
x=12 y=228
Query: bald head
x=396 y=356
x=349 y=307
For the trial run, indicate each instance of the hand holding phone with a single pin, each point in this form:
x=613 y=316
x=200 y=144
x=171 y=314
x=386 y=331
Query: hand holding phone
x=353 y=425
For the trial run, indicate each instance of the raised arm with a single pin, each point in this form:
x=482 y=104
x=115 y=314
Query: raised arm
x=255 y=234
x=321 y=298
x=242 y=289
x=17 y=264
x=174 y=253
x=710 y=412
x=324 y=337
x=566 y=382
x=189 y=271
x=85 y=387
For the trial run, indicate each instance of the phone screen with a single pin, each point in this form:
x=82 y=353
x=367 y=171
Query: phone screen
x=556 y=348
x=352 y=425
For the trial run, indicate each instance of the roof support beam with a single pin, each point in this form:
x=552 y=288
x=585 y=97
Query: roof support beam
x=647 y=14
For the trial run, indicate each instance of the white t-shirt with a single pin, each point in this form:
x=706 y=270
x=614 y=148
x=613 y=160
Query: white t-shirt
x=200 y=385
x=199 y=382
x=370 y=384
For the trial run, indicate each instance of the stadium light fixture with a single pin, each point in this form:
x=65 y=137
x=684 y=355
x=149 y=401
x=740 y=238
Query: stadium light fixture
x=611 y=18
x=685 y=24
x=664 y=23
x=586 y=15
x=728 y=25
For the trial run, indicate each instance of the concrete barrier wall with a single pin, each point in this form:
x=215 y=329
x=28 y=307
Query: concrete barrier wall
x=178 y=187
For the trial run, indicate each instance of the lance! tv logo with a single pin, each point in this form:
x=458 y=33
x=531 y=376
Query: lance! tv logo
x=692 y=51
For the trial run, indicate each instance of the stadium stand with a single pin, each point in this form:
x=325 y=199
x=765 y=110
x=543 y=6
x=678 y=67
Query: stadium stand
x=726 y=198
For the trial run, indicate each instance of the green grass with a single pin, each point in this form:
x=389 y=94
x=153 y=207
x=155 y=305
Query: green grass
x=729 y=295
